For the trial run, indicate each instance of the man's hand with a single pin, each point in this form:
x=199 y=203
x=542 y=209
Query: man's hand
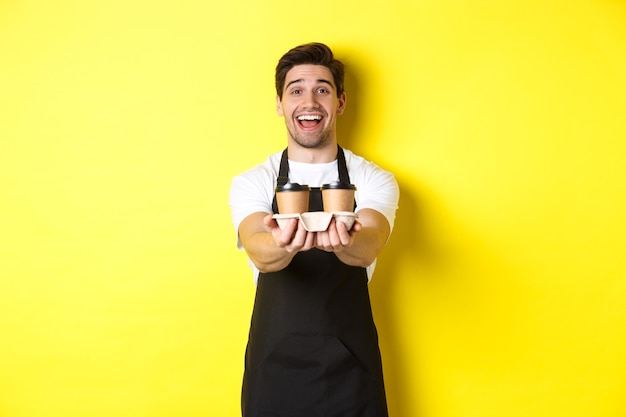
x=293 y=238
x=270 y=248
x=337 y=237
x=360 y=245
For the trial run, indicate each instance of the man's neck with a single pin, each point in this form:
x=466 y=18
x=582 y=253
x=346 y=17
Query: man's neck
x=297 y=153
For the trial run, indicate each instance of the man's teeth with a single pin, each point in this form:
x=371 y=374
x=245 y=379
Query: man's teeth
x=309 y=117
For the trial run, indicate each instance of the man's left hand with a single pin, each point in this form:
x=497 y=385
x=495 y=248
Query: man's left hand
x=336 y=238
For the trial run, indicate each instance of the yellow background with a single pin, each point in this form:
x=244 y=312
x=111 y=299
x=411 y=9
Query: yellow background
x=500 y=294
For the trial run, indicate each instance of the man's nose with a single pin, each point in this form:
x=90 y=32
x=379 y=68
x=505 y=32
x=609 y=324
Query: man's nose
x=310 y=99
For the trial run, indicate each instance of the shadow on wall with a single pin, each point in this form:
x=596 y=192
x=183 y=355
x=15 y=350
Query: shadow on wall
x=348 y=121
x=401 y=388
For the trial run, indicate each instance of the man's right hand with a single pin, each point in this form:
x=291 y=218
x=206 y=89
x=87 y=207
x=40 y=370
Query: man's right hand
x=293 y=237
x=270 y=248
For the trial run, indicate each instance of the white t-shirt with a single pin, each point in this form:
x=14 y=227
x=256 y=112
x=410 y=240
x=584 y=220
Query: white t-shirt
x=253 y=190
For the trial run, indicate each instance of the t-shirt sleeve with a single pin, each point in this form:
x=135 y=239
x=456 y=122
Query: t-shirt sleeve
x=378 y=190
x=250 y=192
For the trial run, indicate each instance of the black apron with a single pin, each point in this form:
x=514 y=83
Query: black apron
x=313 y=347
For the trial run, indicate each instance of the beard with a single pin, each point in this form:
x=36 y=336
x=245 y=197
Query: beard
x=318 y=140
x=310 y=140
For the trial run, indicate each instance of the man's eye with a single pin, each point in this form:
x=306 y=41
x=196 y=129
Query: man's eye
x=322 y=91
x=296 y=91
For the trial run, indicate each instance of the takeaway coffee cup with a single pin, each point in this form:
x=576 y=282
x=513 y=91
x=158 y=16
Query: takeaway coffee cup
x=292 y=198
x=338 y=196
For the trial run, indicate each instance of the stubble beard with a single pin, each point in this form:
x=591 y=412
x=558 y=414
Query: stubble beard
x=311 y=141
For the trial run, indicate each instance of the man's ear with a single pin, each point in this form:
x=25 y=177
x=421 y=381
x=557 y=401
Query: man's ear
x=279 y=107
x=342 y=103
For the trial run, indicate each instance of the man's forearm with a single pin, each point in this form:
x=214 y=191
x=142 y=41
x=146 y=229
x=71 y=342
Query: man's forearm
x=265 y=254
x=367 y=244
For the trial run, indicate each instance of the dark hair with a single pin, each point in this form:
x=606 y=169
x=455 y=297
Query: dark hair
x=311 y=53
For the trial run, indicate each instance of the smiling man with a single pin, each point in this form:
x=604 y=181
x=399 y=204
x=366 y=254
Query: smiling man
x=310 y=103
x=313 y=346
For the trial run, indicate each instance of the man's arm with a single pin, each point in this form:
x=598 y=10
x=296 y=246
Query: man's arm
x=270 y=248
x=361 y=245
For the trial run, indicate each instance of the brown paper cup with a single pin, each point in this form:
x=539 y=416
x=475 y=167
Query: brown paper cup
x=292 y=198
x=338 y=197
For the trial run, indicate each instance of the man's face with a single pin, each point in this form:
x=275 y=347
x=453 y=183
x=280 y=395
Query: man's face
x=310 y=105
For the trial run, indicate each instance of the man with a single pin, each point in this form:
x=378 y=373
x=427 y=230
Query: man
x=313 y=347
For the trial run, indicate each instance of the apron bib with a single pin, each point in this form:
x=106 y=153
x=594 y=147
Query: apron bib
x=313 y=347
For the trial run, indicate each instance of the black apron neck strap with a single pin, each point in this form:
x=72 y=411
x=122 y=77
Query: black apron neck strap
x=283 y=172
x=344 y=178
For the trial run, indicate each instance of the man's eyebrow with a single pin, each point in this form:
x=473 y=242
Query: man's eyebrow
x=319 y=81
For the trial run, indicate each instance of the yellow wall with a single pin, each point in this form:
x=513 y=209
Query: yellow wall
x=122 y=122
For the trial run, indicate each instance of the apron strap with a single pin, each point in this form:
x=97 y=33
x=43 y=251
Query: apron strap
x=283 y=173
x=344 y=178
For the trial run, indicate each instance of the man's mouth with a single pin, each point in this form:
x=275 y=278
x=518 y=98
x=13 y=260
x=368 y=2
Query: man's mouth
x=309 y=121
